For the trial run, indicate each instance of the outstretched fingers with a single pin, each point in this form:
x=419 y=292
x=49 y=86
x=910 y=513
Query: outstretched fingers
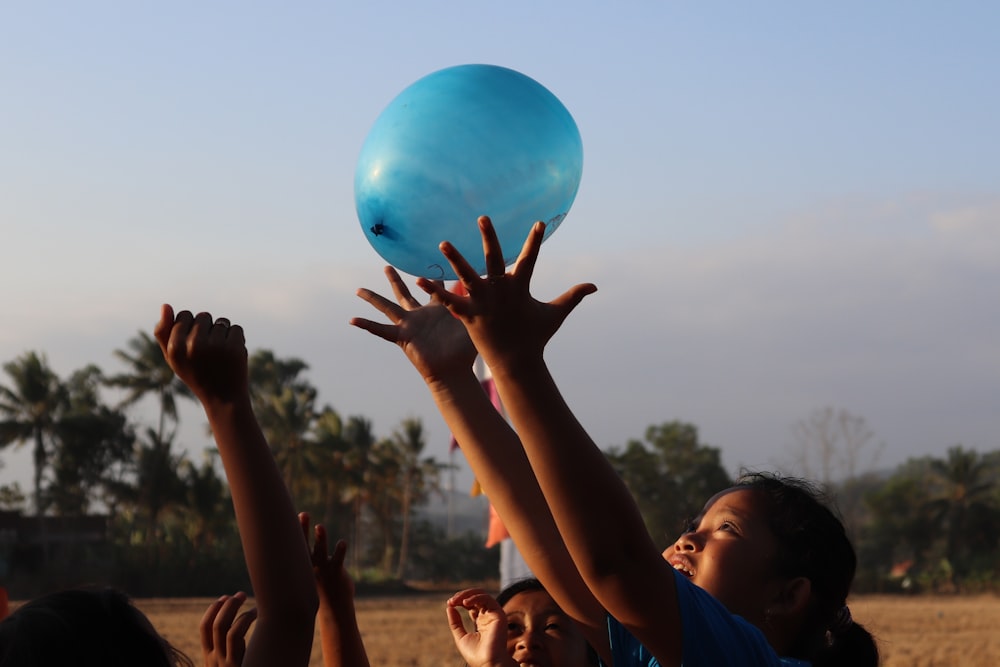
x=339 y=553
x=400 y=290
x=492 y=252
x=383 y=305
x=524 y=266
x=319 y=553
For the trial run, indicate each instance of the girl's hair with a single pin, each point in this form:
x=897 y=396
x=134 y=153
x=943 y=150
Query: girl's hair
x=519 y=586
x=812 y=543
x=532 y=585
x=86 y=627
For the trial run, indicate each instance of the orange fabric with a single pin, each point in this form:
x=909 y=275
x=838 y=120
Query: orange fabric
x=497 y=532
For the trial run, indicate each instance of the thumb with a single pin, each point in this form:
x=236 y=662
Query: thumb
x=455 y=622
x=572 y=297
x=162 y=329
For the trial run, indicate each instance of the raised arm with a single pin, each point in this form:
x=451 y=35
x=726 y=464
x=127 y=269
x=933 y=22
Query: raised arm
x=339 y=634
x=211 y=358
x=596 y=515
x=441 y=351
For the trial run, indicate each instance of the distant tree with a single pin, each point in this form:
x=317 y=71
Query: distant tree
x=158 y=485
x=30 y=410
x=285 y=405
x=838 y=449
x=92 y=441
x=11 y=497
x=383 y=496
x=671 y=475
x=331 y=452
x=358 y=464
x=898 y=528
x=420 y=476
x=964 y=505
x=149 y=374
x=206 y=502
x=834 y=445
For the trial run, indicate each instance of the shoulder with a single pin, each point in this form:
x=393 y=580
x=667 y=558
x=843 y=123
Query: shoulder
x=711 y=636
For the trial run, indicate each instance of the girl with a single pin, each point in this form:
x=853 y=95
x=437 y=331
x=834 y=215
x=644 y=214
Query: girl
x=740 y=587
x=521 y=626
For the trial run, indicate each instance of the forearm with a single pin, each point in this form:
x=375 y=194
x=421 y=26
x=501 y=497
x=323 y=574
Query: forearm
x=340 y=637
x=494 y=452
x=596 y=515
x=276 y=554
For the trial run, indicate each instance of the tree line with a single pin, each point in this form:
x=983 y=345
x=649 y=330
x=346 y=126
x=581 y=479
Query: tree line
x=932 y=524
x=170 y=522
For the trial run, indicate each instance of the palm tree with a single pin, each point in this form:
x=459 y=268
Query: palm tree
x=331 y=453
x=158 y=483
x=92 y=443
x=358 y=466
x=207 y=507
x=149 y=373
x=30 y=410
x=384 y=494
x=285 y=406
x=964 y=504
x=419 y=476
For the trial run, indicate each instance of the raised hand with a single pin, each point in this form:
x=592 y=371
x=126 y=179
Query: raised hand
x=209 y=356
x=223 y=633
x=333 y=583
x=432 y=339
x=486 y=645
x=504 y=321
x=338 y=624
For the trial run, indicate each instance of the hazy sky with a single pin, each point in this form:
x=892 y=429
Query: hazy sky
x=786 y=206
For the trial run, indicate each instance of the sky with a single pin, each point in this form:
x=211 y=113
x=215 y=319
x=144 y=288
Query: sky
x=785 y=206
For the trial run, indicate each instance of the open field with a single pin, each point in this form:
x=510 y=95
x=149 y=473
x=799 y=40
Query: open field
x=411 y=631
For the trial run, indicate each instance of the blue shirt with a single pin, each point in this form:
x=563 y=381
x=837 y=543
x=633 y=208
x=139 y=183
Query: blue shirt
x=712 y=637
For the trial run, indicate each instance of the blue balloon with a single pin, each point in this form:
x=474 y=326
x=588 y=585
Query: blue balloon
x=462 y=142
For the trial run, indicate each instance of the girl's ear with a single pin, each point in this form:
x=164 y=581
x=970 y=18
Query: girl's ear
x=792 y=598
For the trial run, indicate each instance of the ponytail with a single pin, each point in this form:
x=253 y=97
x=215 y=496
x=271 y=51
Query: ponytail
x=851 y=645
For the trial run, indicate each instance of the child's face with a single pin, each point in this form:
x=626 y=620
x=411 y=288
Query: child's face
x=540 y=634
x=729 y=551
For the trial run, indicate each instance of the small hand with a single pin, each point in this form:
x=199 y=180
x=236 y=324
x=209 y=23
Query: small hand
x=504 y=321
x=223 y=633
x=209 y=357
x=432 y=339
x=486 y=645
x=333 y=583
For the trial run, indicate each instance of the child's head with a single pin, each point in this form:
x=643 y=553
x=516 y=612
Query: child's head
x=87 y=627
x=771 y=551
x=537 y=626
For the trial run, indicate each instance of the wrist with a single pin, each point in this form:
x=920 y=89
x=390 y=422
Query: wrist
x=521 y=369
x=226 y=407
x=452 y=382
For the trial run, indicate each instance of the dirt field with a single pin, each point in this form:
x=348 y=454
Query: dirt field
x=413 y=632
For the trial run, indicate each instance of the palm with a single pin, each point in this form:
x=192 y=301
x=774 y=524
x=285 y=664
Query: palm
x=434 y=341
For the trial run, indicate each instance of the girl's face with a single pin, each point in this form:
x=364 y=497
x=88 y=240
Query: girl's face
x=539 y=634
x=729 y=551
